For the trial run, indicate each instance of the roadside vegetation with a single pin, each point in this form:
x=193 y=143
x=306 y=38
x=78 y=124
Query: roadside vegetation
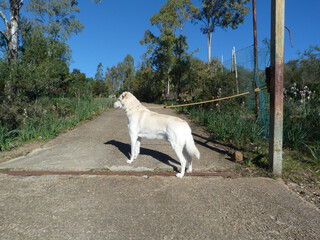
x=39 y=96
x=49 y=117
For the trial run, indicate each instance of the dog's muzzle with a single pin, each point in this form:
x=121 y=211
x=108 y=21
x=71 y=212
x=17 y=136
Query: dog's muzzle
x=117 y=104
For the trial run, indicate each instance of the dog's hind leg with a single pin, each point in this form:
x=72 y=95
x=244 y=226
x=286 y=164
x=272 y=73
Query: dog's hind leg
x=182 y=160
x=189 y=158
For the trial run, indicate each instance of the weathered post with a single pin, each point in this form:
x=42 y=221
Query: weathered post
x=276 y=86
x=255 y=52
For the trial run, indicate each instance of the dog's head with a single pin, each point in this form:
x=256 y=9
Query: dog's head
x=125 y=100
x=120 y=102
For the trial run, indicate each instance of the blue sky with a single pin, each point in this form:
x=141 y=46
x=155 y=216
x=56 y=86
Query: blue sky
x=114 y=28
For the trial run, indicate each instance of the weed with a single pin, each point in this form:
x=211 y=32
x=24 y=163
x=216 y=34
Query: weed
x=7 y=137
x=315 y=153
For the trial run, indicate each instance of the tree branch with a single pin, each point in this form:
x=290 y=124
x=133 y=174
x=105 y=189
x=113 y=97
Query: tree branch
x=20 y=5
x=4 y=35
x=6 y=23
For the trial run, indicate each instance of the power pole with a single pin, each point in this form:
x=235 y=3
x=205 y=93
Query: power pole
x=276 y=86
x=255 y=44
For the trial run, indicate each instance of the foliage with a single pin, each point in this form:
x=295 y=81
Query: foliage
x=147 y=87
x=56 y=17
x=78 y=84
x=304 y=71
x=220 y=13
x=160 y=53
x=169 y=50
x=41 y=71
x=128 y=71
x=113 y=79
x=48 y=117
x=173 y=15
x=100 y=87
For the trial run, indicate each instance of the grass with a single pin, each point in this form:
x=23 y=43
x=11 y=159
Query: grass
x=231 y=126
x=238 y=128
x=54 y=118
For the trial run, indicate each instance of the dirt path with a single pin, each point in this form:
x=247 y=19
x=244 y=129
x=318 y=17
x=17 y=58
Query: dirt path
x=104 y=143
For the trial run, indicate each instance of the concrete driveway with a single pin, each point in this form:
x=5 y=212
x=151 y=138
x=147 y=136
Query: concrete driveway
x=142 y=207
x=104 y=143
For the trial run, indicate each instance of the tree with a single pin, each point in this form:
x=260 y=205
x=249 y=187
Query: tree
x=56 y=18
x=304 y=71
x=99 y=85
x=79 y=84
x=113 y=79
x=160 y=51
x=170 y=47
x=147 y=87
x=99 y=74
x=220 y=13
x=128 y=73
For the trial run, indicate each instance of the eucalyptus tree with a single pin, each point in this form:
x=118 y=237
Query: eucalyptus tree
x=169 y=48
x=160 y=51
x=128 y=73
x=220 y=13
x=56 y=18
x=100 y=87
x=113 y=79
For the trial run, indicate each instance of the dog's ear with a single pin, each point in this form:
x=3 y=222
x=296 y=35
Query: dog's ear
x=124 y=94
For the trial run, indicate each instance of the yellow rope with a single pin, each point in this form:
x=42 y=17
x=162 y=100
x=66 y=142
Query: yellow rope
x=214 y=100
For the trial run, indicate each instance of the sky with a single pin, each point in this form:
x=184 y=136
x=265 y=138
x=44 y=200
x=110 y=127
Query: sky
x=114 y=29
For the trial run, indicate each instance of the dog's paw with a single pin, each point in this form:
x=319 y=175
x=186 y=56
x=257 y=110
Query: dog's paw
x=179 y=175
x=129 y=161
x=189 y=170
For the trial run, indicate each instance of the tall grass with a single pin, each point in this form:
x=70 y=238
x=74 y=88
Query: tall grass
x=51 y=117
x=237 y=125
x=233 y=124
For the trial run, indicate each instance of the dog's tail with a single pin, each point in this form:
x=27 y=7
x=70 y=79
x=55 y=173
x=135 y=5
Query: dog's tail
x=191 y=147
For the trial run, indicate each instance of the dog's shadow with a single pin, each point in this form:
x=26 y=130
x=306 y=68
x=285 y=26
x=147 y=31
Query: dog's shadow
x=126 y=149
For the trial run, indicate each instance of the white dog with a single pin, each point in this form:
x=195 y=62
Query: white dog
x=143 y=123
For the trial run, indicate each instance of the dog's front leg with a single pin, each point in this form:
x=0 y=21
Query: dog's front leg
x=134 y=139
x=137 y=147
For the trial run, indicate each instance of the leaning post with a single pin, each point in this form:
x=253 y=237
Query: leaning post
x=276 y=86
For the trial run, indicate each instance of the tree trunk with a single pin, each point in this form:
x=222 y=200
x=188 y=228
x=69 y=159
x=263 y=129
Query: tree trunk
x=209 y=38
x=209 y=48
x=180 y=70
x=168 y=85
x=15 y=6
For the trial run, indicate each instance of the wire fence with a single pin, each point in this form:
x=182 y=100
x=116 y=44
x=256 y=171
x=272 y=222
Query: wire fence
x=248 y=78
